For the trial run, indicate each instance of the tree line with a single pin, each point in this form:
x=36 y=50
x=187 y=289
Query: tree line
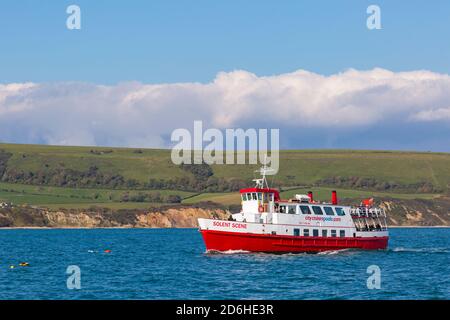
x=200 y=179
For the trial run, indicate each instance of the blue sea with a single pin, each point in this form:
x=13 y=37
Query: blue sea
x=172 y=264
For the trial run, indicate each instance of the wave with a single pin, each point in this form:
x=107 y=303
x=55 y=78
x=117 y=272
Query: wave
x=420 y=250
x=227 y=252
x=231 y=252
x=333 y=252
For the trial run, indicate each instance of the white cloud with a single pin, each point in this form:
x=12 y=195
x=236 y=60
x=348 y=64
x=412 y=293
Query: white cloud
x=136 y=114
x=432 y=115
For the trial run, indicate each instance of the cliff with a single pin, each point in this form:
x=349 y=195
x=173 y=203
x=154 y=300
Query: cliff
x=167 y=217
x=416 y=212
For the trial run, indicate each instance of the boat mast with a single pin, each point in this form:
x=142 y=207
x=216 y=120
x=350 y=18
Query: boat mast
x=262 y=182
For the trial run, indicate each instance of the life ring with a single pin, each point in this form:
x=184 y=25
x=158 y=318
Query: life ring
x=261 y=209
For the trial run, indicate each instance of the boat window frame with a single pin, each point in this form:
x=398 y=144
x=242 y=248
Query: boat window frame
x=331 y=210
x=305 y=206
x=320 y=208
x=289 y=207
x=315 y=232
x=306 y=232
x=244 y=197
x=340 y=210
x=254 y=196
x=333 y=231
x=341 y=233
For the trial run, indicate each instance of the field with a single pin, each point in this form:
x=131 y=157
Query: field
x=56 y=197
x=321 y=194
x=407 y=175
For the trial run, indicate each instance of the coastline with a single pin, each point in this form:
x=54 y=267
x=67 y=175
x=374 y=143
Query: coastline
x=423 y=227
x=89 y=228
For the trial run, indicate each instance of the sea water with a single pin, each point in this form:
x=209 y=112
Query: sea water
x=172 y=264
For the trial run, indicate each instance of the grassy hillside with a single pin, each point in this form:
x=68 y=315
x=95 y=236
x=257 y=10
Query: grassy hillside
x=55 y=197
x=82 y=176
x=312 y=166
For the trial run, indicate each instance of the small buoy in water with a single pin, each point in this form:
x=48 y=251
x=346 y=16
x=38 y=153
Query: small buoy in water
x=24 y=264
x=91 y=251
x=107 y=251
x=11 y=267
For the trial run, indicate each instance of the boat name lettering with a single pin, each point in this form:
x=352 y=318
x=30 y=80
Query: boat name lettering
x=229 y=224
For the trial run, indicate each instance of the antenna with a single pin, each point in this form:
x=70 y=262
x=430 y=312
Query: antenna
x=261 y=182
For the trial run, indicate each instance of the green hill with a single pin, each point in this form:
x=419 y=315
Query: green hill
x=83 y=176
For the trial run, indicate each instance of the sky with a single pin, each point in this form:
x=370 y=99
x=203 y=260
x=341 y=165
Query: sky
x=137 y=70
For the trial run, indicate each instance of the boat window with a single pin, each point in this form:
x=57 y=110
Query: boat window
x=271 y=196
x=329 y=211
x=324 y=233
x=296 y=232
x=291 y=209
x=259 y=196
x=249 y=196
x=306 y=232
x=333 y=233
x=282 y=209
x=254 y=196
x=340 y=211
x=315 y=232
x=305 y=209
x=244 y=197
x=341 y=233
x=266 y=197
x=317 y=210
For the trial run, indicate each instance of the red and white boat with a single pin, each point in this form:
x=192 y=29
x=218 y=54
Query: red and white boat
x=268 y=224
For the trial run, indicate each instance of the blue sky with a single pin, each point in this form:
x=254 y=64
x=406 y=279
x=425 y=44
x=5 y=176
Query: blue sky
x=188 y=41
x=137 y=70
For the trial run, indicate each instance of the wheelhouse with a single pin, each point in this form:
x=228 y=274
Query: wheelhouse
x=258 y=200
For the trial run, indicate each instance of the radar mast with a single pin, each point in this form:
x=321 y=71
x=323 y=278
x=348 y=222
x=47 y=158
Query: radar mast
x=262 y=182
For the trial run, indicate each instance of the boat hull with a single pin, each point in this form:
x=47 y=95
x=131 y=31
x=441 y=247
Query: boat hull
x=238 y=241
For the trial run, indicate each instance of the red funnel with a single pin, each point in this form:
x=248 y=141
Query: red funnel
x=334 y=199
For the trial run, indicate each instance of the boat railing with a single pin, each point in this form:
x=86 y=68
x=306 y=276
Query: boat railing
x=369 y=218
x=369 y=212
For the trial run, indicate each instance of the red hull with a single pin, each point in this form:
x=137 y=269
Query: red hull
x=225 y=241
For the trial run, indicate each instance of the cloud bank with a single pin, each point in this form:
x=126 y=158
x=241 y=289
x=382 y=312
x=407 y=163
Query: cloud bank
x=375 y=109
